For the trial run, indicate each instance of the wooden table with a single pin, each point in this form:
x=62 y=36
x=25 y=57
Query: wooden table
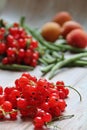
x=37 y=13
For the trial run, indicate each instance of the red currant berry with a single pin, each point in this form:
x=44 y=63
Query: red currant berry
x=16 y=24
x=22 y=43
x=34 y=44
x=62 y=94
x=14 y=94
x=35 y=55
x=1 y=90
x=45 y=106
x=7 y=106
x=1 y=114
x=53 y=101
x=34 y=62
x=23 y=81
x=28 y=53
x=66 y=91
x=22 y=103
x=10 y=38
x=10 y=51
x=40 y=113
x=2 y=99
x=5 y=60
x=21 y=53
x=13 y=114
x=57 y=111
x=2 y=48
x=27 y=60
x=61 y=104
x=2 y=30
x=38 y=122
x=47 y=117
x=13 y=30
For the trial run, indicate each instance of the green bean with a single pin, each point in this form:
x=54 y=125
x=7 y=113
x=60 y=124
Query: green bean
x=47 y=68
x=49 y=61
x=48 y=55
x=15 y=67
x=65 y=62
x=70 y=48
x=55 y=54
x=43 y=61
x=80 y=63
x=22 y=21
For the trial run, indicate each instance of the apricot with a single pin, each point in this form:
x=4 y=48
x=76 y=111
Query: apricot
x=69 y=26
x=51 y=31
x=62 y=17
x=77 y=38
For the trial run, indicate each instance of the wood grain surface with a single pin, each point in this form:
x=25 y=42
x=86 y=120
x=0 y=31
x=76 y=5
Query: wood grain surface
x=38 y=12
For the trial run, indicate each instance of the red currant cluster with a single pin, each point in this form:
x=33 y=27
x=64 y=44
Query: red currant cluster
x=16 y=46
x=36 y=98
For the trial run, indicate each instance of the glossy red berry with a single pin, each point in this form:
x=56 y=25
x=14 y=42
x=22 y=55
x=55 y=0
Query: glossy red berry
x=66 y=91
x=10 y=51
x=61 y=104
x=2 y=99
x=47 y=117
x=34 y=44
x=1 y=115
x=22 y=103
x=34 y=62
x=40 y=113
x=5 y=60
x=21 y=53
x=2 y=48
x=10 y=38
x=13 y=114
x=38 y=122
x=22 y=43
x=13 y=30
x=7 y=106
x=62 y=94
x=1 y=90
x=14 y=94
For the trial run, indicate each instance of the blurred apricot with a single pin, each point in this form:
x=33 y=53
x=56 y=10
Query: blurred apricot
x=77 y=38
x=62 y=17
x=51 y=31
x=69 y=26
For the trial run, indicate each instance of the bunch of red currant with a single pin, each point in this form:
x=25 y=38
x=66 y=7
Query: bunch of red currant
x=16 y=46
x=38 y=99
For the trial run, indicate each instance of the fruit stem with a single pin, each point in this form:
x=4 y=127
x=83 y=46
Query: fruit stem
x=75 y=91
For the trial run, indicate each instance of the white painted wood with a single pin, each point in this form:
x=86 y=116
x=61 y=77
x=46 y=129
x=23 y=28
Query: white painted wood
x=38 y=12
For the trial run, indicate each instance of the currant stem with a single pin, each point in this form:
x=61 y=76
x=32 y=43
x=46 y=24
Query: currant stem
x=62 y=117
x=59 y=119
x=76 y=91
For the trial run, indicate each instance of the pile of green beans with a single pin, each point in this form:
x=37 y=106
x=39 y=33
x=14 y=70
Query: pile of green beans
x=53 y=54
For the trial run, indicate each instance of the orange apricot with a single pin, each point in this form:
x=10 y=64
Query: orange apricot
x=69 y=26
x=51 y=31
x=62 y=17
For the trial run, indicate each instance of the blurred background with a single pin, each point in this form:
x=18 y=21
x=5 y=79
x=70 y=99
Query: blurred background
x=38 y=12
